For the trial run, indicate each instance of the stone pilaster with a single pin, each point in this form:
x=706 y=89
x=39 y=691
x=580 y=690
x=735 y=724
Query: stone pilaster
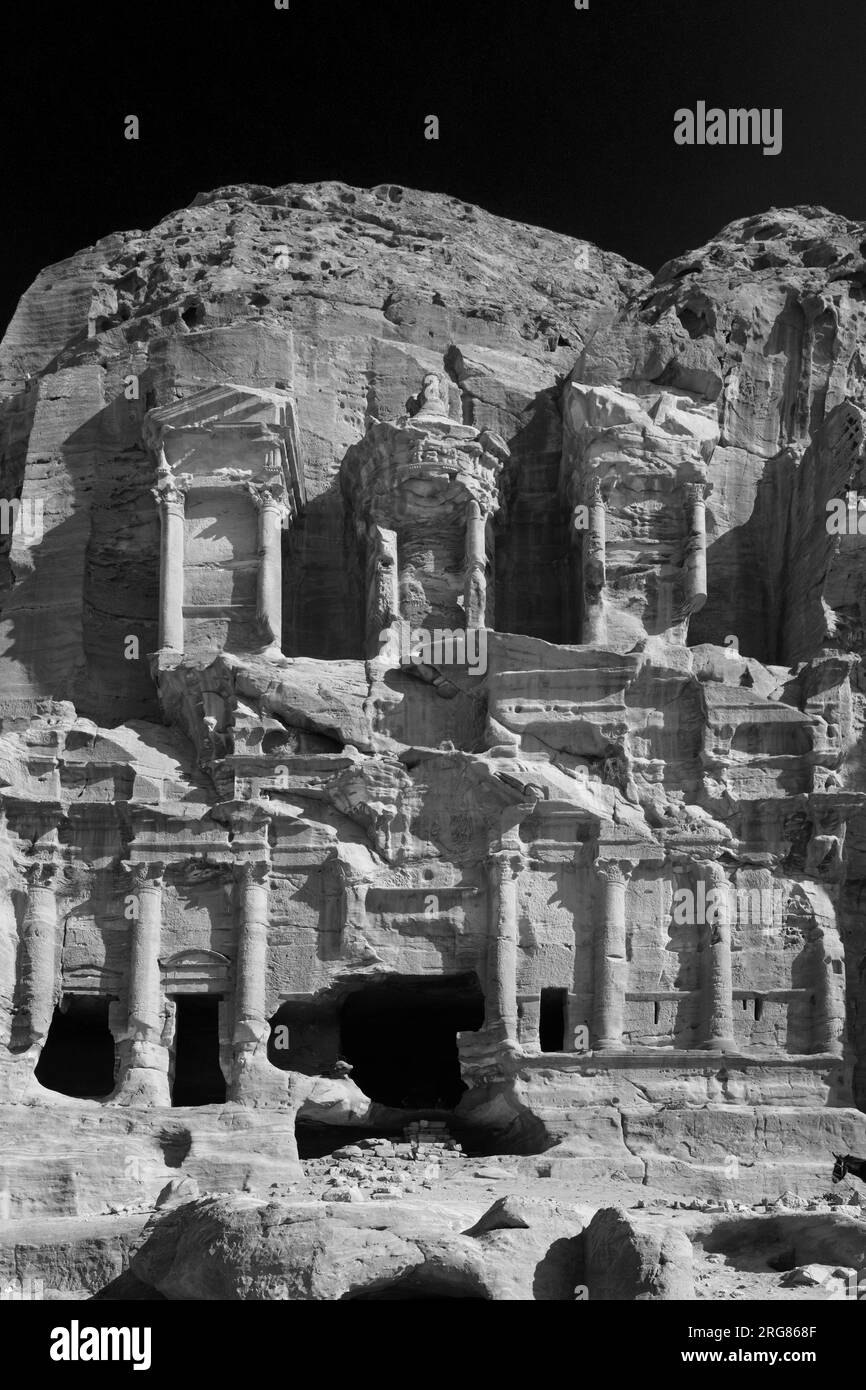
x=610 y=963
x=695 y=564
x=717 y=971
x=345 y=902
x=503 y=868
x=383 y=586
x=828 y=1026
x=475 y=590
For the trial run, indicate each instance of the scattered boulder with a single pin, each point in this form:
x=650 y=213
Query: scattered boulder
x=506 y=1213
x=814 y=1275
x=627 y=1261
x=176 y=1192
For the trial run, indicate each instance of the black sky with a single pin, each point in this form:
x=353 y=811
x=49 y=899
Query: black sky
x=549 y=115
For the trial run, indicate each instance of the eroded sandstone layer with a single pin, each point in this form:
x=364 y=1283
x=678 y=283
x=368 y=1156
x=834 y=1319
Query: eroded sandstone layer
x=430 y=690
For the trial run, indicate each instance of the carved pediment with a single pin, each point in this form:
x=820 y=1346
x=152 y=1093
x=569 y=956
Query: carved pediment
x=196 y=971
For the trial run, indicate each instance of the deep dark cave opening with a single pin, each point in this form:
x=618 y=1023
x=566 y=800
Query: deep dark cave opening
x=78 y=1056
x=401 y=1037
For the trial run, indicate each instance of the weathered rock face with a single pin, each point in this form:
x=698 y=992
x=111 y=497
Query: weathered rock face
x=342 y=297
x=431 y=688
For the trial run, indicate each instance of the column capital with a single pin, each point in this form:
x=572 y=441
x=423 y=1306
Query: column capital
x=696 y=491
x=253 y=873
x=171 y=489
x=614 y=870
x=271 y=497
x=506 y=864
x=43 y=869
x=145 y=873
x=479 y=508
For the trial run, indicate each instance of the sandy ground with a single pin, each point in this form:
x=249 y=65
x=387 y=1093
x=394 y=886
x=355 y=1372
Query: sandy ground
x=74 y=1254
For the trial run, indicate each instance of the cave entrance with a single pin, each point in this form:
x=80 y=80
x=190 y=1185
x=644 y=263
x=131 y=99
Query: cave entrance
x=198 y=1079
x=401 y=1037
x=78 y=1056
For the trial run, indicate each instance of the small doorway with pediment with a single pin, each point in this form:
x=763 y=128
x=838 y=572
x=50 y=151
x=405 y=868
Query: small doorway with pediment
x=197 y=984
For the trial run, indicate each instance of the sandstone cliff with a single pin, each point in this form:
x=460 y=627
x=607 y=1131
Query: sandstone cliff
x=260 y=444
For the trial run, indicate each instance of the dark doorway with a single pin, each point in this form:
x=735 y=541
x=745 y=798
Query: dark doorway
x=401 y=1038
x=197 y=1076
x=78 y=1056
x=305 y=1036
x=551 y=1022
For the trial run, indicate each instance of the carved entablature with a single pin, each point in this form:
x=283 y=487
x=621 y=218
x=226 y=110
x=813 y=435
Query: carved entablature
x=659 y=442
x=164 y=844
x=422 y=465
x=225 y=436
x=429 y=452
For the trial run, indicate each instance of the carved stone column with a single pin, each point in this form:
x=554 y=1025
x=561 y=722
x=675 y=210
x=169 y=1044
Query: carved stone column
x=144 y=1006
x=251 y=1025
x=41 y=981
x=170 y=496
x=611 y=965
x=143 y=1054
x=273 y=513
x=475 y=591
x=695 y=564
x=717 y=973
x=594 y=573
x=503 y=868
